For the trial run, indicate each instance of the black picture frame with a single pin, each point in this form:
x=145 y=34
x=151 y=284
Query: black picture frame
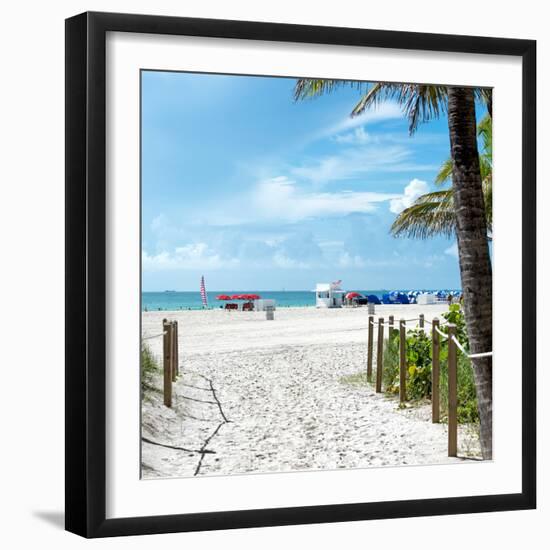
x=86 y=269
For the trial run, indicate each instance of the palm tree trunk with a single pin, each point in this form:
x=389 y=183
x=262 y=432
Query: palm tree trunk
x=473 y=251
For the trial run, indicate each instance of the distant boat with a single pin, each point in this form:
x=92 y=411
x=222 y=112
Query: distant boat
x=169 y=291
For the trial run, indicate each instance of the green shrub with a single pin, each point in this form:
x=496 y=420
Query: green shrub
x=456 y=315
x=419 y=368
x=418 y=361
x=419 y=365
x=467 y=410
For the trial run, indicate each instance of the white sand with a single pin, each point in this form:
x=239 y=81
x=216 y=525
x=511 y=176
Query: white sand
x=269 y=396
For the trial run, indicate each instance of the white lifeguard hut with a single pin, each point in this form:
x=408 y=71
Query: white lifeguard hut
x=329 y=295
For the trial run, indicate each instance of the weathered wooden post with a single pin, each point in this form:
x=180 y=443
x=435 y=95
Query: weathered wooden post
x=435 y=370
x=402 y=362
x=174 y=362
x=177 y=363
x=380 y=355
x=167 y=367
x=452 y=375
x=421 y=320
x=390 y=325
x=369 y=348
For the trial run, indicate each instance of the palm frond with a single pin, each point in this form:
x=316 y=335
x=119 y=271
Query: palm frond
x=445 y=172
x=379 y=91
x=485 y=132
x=423 y=103
x=485 y=167
x=485 y=95
x=431 y=214
x=420 y=103
x=309 y=88
x=487 y=185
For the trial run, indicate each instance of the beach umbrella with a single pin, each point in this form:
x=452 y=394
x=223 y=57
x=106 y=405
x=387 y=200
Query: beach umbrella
x=237 y=297
x=223 y=297
x=351 y=295
x=253 y=296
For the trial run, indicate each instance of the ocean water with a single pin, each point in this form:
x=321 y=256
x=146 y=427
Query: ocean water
x=171 y=301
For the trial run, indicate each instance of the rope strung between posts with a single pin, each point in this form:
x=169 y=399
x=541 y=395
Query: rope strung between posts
x=442 y=334
x=472 y=355
x=154 y=336
x=408 y=321
x=374 y=323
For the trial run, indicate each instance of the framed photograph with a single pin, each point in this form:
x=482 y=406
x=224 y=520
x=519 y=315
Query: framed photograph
x=290 y=272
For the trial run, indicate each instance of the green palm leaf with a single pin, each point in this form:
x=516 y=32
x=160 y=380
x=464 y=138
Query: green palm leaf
x=445 y=172
x=420 y=103
x=431 y=214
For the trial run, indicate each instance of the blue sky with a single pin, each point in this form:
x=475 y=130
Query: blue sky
x=257 y=192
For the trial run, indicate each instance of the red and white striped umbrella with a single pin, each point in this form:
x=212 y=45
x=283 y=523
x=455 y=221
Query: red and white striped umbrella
x=203 y=293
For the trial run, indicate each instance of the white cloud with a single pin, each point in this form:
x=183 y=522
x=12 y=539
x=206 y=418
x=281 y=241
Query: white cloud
x=352 y=163
x=284 y=262
x=357 y=136
x=279 y=198
x=294 y=249
x=452 y=250
x=411 y=192
x=159 y=223
x=190 y=256
x=351 y=260
x=383 y=111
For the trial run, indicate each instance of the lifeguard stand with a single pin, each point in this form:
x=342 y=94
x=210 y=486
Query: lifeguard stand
x=329 y=295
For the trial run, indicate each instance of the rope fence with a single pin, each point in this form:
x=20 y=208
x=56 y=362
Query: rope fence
x=153 y=336
x=421 y=320
x=471 y=355
x=438 y=336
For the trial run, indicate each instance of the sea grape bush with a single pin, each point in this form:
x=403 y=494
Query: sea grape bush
x=419 y=367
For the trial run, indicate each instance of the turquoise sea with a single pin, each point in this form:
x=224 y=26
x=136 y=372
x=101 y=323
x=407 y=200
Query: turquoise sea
x=171 y=301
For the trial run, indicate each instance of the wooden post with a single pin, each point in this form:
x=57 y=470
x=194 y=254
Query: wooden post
x=380 y=355
x=390 y=324
x=402 y=362
x=435 y=370
x=167 y=366
x=369 y=348
x=177 y=362
x=453 y=424
x=421 y=320
x=174 y=363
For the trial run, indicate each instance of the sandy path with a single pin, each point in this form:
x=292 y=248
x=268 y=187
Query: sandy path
x=271 y=396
